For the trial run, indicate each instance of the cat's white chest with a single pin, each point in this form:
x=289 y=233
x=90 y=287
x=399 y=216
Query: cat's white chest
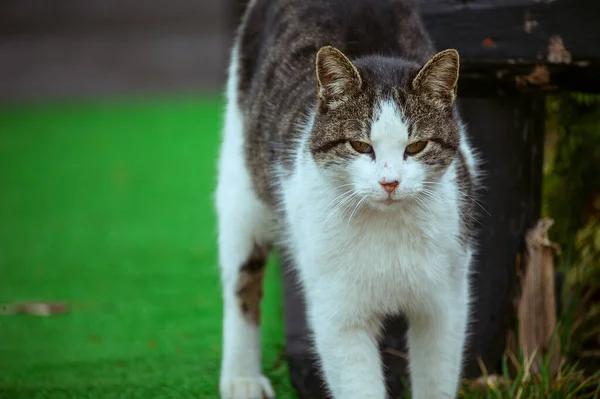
x=378 y=265
x=379 y=262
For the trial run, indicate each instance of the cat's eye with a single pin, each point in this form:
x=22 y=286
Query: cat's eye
x=415 y=147
x=361 y=147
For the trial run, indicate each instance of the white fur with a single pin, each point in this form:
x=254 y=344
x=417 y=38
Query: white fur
x=359 y=260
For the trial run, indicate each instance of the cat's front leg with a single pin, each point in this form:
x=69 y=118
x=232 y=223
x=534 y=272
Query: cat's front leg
x=347 y=347
x=436 y=338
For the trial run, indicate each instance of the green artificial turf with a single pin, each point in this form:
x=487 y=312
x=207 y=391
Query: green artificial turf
x=108 y=206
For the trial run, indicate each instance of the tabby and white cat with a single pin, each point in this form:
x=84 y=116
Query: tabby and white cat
x=354 y=159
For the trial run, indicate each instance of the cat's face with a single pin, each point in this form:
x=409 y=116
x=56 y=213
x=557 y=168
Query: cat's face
x=385 y=130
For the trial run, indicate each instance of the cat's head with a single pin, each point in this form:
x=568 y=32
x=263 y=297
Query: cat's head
x=384 y=127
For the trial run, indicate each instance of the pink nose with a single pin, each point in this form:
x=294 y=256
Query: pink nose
x=389 y=186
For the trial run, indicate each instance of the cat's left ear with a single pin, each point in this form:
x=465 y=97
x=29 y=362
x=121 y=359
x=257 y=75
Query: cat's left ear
x=439 y=77
x=336 y=75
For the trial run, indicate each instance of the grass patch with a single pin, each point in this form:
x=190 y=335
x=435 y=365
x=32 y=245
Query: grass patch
x=109 y=206
x=517 y=381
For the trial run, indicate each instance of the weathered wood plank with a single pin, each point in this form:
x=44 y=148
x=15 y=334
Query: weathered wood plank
x=490 y=78
x=513 y=31
x=502 y=42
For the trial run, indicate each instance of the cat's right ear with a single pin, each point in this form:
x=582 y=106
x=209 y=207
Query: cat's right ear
x=336 y=76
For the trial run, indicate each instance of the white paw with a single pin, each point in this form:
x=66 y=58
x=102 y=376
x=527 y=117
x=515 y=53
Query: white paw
x=246 y=388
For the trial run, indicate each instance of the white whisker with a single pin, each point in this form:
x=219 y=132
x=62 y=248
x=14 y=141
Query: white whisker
x=342 y=205
x=354 y=211
x=462 y=193
x=335 y=199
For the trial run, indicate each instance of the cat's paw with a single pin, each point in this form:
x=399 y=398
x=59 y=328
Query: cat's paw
x=246 y=388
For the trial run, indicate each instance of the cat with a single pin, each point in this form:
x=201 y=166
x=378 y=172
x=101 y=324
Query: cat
x=343 y=145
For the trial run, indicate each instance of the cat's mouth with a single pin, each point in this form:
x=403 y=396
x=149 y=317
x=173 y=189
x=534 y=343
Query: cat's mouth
x=388 y=201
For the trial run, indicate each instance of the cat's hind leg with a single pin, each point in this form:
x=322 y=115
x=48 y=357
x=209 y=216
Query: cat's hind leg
x=244 y=239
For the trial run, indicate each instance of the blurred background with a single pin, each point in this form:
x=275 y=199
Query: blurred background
x=95 y=48
x=110 y=116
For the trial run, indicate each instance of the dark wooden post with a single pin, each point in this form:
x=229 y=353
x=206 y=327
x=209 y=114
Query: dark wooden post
x=509 y=132
x=512 y=52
